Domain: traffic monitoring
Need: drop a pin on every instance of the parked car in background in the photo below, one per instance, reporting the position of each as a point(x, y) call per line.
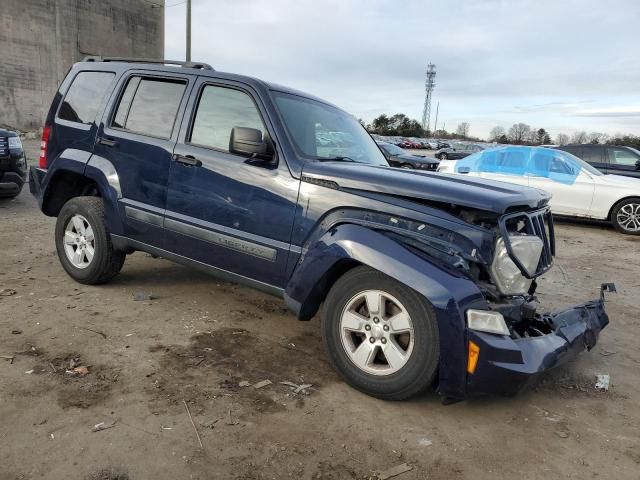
point(422, 278)
point(457, 151)
point(611, 159)
point(397, 157)
point(13, 164)
point(577, 188)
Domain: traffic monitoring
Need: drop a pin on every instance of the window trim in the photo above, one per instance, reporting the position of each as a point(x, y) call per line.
point(123, 87)
point(81, 125)
point(194, 111)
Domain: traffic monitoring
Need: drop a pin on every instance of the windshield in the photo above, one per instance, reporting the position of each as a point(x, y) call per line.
point(393, 149)
point(323, 132)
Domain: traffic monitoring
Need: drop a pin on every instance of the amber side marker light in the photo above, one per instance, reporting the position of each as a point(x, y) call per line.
point(472, 359)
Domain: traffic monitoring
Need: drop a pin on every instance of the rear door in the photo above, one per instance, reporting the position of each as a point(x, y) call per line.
point(623, 161)
point(506, 165)
point(138, 136)
point(595, 155)
point(226, 210)
point(572, 189)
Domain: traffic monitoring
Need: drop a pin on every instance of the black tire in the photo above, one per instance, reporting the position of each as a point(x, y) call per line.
point(107, 262)
point(10, 196)
point(418, 373)
point(443, 156)
point(615, 221)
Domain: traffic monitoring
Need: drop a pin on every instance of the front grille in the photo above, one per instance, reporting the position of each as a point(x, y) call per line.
point(538, 223)
point(4, 146)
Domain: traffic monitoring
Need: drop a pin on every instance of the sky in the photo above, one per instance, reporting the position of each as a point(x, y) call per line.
point(563, 65)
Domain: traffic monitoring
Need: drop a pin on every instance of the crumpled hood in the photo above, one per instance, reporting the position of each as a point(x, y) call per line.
point(470, 192)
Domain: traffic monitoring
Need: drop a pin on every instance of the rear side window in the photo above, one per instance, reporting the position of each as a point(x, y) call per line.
point(84, 96)
point(149, 106)
point(219, 110)
point(592, 154)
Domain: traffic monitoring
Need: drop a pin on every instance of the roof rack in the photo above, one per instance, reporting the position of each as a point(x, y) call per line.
point(200, 65)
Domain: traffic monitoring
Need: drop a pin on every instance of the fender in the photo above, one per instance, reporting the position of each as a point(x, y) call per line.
point(100, 170)
point(449, 292)
point(70, 160)
point(105, 175)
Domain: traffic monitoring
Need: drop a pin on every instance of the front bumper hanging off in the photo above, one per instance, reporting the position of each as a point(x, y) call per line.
point(507, 365)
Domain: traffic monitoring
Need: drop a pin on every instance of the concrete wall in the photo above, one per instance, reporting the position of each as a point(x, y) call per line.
point(41, 39)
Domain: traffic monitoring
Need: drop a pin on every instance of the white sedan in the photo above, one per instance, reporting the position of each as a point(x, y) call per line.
point(577, 189)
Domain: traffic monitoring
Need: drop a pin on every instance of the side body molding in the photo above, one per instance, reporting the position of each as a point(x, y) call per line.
point(450, 293)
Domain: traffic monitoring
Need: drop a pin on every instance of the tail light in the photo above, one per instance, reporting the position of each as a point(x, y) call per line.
point(44, 142)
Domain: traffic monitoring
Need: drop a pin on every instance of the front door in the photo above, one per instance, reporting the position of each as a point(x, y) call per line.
point(138, 136)
point(623, 162)
point(225, 210)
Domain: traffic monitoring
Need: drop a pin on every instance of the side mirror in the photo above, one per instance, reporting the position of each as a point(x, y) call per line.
point(250, 142)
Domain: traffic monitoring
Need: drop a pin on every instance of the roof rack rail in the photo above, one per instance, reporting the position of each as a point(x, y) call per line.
point(98, 58)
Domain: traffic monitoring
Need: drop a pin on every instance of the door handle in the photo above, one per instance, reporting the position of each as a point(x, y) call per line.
point(187, 160)
point(107, 142)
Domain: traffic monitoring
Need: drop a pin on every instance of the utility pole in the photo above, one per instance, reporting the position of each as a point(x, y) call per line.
point(435, 125)
point(188, 30)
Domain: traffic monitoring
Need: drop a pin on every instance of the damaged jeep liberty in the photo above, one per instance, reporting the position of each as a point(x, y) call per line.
point(424, 279)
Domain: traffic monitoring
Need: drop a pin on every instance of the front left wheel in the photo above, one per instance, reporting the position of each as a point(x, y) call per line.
point(381, 336)
point(83, 243)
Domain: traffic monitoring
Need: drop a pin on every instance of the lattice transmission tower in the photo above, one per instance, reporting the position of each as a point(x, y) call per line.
point(429, 85)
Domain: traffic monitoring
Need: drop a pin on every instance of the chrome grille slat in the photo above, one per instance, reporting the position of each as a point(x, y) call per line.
point(4, 146)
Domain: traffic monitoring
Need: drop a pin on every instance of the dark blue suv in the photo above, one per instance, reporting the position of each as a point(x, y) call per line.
point(425, 279)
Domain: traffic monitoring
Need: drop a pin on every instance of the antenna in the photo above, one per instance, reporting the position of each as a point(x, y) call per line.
point(429, 85)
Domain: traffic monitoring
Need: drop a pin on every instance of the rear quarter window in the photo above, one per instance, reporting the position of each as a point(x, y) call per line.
point(84, 97)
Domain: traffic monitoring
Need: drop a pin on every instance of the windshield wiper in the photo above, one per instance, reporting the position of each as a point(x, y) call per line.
point(338, 159)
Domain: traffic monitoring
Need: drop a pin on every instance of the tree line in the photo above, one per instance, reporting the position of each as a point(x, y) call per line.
point(399, 125)
point(518, 134)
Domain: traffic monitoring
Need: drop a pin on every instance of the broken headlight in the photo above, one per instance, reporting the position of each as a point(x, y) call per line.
point(508, 277)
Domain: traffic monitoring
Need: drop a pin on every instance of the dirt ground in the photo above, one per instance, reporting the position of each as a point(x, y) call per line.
point(197, 338)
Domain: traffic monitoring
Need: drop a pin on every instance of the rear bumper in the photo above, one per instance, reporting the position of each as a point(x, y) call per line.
point(36, 176)
point(506, 365)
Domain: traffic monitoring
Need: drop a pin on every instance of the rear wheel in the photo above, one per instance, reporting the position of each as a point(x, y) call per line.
point(442, 156)
point(83, 243)
point(381, 336)
point(625, 216)
point(407, 166)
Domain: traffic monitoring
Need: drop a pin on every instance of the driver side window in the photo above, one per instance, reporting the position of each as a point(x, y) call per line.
point(621, 156)
point(219, 110)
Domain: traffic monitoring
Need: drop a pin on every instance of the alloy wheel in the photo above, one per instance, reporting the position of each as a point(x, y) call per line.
point(376, 332)
point(79, 242)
